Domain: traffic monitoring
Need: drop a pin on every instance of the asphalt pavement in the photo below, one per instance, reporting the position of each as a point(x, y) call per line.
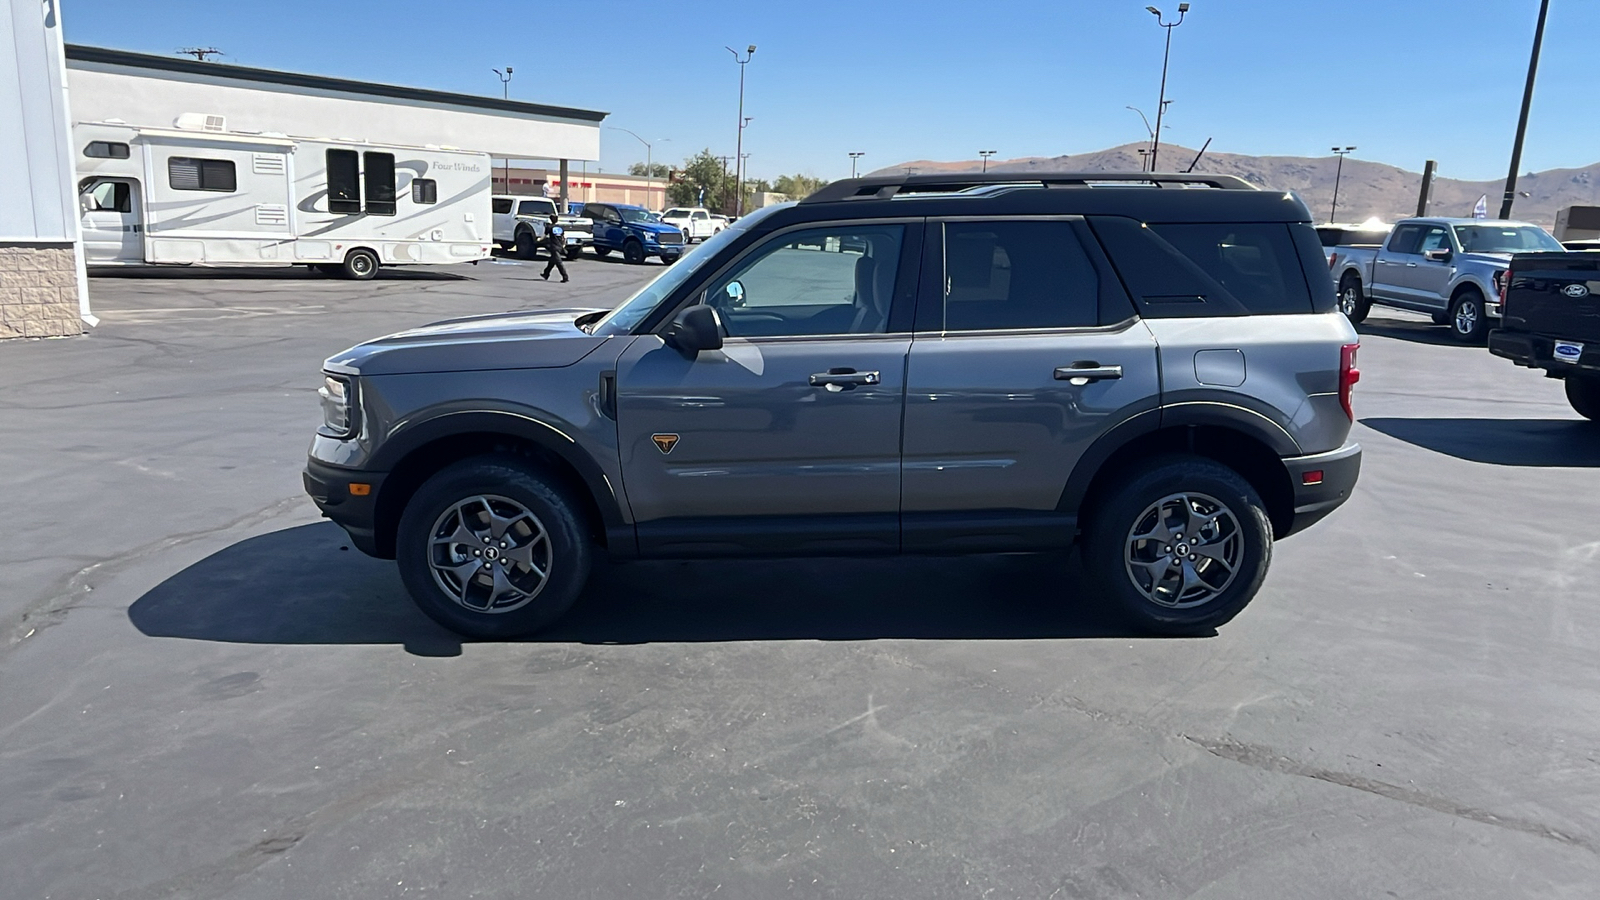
point(205, 692)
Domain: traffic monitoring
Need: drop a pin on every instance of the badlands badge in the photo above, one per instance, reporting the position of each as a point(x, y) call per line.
point(665, 442)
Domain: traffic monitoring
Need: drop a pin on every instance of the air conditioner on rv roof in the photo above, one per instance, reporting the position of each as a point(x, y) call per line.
point(200, 122)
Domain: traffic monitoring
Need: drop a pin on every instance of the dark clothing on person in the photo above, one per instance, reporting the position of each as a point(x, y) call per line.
point(555, 245)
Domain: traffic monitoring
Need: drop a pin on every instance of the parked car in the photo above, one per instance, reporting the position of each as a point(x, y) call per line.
point(1448, 268)
point(1334, 237)
point(1160, 375)
point(695, 222)
point(628, 230)
point(520, 222)
point(1581, 245)
point(1551, 321)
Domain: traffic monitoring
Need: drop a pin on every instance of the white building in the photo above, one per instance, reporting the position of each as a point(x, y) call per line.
point(42, 284)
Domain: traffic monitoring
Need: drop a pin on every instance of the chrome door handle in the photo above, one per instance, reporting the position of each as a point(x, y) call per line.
point(1411, 265)
point(1085, 372)
point(840, 379)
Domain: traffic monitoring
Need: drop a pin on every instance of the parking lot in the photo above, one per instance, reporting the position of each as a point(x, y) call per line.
point(207, 692)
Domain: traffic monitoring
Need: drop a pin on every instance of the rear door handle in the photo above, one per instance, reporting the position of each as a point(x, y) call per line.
point(844, 379)
point(1084, 372)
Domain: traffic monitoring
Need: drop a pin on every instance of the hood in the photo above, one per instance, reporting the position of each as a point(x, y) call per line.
point(542, 339)
point(1497, 259)
point(654, 227)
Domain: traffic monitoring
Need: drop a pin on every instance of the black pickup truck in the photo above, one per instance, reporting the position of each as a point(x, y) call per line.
point(1551, 321)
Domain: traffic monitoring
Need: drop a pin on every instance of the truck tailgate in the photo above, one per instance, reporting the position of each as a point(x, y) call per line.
point(1555, 294)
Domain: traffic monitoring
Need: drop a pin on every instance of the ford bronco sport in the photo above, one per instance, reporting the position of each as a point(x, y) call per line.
point(1152, 367)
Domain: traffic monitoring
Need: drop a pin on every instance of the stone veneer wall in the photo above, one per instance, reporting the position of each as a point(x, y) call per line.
point(38, 290)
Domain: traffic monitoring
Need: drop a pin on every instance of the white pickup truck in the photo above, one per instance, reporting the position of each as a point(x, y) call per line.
point(696, 223)
point(519, 224)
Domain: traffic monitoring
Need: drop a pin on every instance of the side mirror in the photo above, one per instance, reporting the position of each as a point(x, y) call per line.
point(695, 329)
point(1438, 255)
point(735, 292)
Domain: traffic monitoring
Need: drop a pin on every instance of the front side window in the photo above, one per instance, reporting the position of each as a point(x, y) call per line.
point(344, 182)
point(634, 215)
point(1009, 275)
point(535, 208)
point(1257, 264)
point(186, 173)
point(111, 196)
point(379, 182)
point(1435, 238)
point(106, 150)
point(424, 190)
point(700, 214)
point(834, 280)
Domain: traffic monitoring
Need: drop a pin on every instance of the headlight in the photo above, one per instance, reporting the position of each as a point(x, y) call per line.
point(338, 408)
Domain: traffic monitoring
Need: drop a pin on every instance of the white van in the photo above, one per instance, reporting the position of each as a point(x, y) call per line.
point(198, 195)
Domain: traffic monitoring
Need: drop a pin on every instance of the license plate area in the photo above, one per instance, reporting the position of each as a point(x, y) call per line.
point(1567, 352)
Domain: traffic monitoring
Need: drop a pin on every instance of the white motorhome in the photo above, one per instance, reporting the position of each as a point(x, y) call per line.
point(199, 195)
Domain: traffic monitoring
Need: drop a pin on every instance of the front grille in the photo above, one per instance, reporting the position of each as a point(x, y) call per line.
point(670, 237)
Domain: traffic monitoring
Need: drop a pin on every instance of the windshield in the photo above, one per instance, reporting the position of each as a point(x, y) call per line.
point(633, 310)
point(1505, 239)
point(633, 215)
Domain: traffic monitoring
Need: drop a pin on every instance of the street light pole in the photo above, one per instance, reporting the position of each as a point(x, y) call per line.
point(855, 155)
point(1149, 132)
point(1522, 120)
point(738, 150)
point(1183, 9)
point(986, 154)
point(1337, 174)
point(505, 94)
point(649, 158)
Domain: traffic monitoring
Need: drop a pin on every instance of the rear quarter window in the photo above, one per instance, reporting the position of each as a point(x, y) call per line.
point(1214, 269)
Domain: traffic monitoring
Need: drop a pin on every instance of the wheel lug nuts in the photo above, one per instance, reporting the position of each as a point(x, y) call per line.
point(1166, 549)
point(1193, 557)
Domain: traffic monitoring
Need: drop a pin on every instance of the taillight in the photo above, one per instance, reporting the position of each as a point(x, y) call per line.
point(1348, 376)
point(1333, 259)
point(1501, 280)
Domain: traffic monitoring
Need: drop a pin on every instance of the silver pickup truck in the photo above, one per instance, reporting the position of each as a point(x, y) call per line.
point(1449, 268)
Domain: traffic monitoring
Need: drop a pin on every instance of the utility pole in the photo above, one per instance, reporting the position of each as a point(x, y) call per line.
point(739, 144)
point(986, 154)
point(855, 155)
point(1522, 120)
point(1426, 194)
point(1337, 174)
point(505, 93)
point(1183, 9)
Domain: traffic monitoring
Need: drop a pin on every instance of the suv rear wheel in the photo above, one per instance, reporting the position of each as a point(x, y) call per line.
point(1181, 546)
point(489, 548)
point(1467, 322)
point(1583, 392)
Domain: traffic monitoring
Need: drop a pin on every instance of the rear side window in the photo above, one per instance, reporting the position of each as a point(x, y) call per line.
point(502, 205)
point(1256, 263)
point(344, 182)
point(424, 190)
point(379, 179)
point(1405, 239)
point(190, 174)
point(1013, 275)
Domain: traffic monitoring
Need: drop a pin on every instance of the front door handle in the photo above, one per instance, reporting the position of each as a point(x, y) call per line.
point(1083, 372)
point(844, 379)
point(1411, 265)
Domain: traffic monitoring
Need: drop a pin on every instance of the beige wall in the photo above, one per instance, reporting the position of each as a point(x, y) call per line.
point(38, 290)
point(587, 188)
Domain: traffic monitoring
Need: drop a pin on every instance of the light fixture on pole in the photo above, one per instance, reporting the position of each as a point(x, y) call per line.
point(986, 154)
point(855, 155)
point(1183, 10)
point(739, 144)
point(1337, 174)
point(649, 161)
point(1150, 132)
point(505, 94)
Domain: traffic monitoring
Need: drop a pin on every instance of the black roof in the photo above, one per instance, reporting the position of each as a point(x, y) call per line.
point(1144, 196)
point(81, 53)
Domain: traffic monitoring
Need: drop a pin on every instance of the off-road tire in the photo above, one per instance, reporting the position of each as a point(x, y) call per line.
point(360, 265)
point(633, 253)
point(1583, 392)
point(508, 477)
point(1118, 512)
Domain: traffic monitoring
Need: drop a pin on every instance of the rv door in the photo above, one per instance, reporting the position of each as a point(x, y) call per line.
point(113, 230)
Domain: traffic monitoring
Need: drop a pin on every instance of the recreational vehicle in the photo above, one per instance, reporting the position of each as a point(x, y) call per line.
point(198, 195)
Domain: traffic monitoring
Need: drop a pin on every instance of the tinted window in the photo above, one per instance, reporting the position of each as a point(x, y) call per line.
point(502, 205)
point(835, 280)
point(1257, 264)
point(1405, 239)
point(344, 182)
point(191, 174)
point(535, 208)
point(379, 181)
point(106, 150)
point(1505, 239)
point(1435, 238)
point(1017, 275)
point(1345, 237)
point(424, 190)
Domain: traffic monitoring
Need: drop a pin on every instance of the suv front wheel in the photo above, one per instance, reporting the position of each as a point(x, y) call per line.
point(1180, 547)
point(489, 548)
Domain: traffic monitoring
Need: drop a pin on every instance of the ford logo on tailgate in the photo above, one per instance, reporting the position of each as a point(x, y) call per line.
point(1576, 290)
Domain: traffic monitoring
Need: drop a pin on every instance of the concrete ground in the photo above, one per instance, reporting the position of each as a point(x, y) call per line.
point(204, 693)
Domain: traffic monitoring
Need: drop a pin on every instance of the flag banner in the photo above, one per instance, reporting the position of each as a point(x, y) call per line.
point(1481, 209)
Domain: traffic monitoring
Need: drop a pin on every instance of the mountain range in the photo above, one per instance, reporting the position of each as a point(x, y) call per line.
point(1366, 189)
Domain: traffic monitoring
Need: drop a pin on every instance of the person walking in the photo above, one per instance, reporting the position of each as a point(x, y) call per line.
point(555, 244)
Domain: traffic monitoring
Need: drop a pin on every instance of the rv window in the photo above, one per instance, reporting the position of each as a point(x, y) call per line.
point(424, 190)
point(106, 150)
point(379, 183)
point(502, 205)
point(344, 183)
point(188, 174)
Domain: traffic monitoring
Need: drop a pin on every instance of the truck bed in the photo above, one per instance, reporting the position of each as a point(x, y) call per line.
point(1540, 296)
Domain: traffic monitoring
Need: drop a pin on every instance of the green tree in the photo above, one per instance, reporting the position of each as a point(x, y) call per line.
point(656, 170)
point(702, 176)
point(798, 186)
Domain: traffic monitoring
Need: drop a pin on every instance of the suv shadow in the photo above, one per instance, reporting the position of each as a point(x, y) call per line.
point(247, 593)
point(1501, 442)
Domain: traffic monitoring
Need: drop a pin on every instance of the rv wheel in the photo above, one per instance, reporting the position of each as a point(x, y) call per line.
point(360, 265)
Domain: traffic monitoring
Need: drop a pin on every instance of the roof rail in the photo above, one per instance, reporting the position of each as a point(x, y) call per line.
point(882, 187)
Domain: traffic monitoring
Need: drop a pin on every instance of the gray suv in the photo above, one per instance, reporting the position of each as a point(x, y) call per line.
point(1150, 366)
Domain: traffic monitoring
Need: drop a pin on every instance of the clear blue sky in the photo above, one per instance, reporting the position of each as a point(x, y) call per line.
point(1402, 80)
